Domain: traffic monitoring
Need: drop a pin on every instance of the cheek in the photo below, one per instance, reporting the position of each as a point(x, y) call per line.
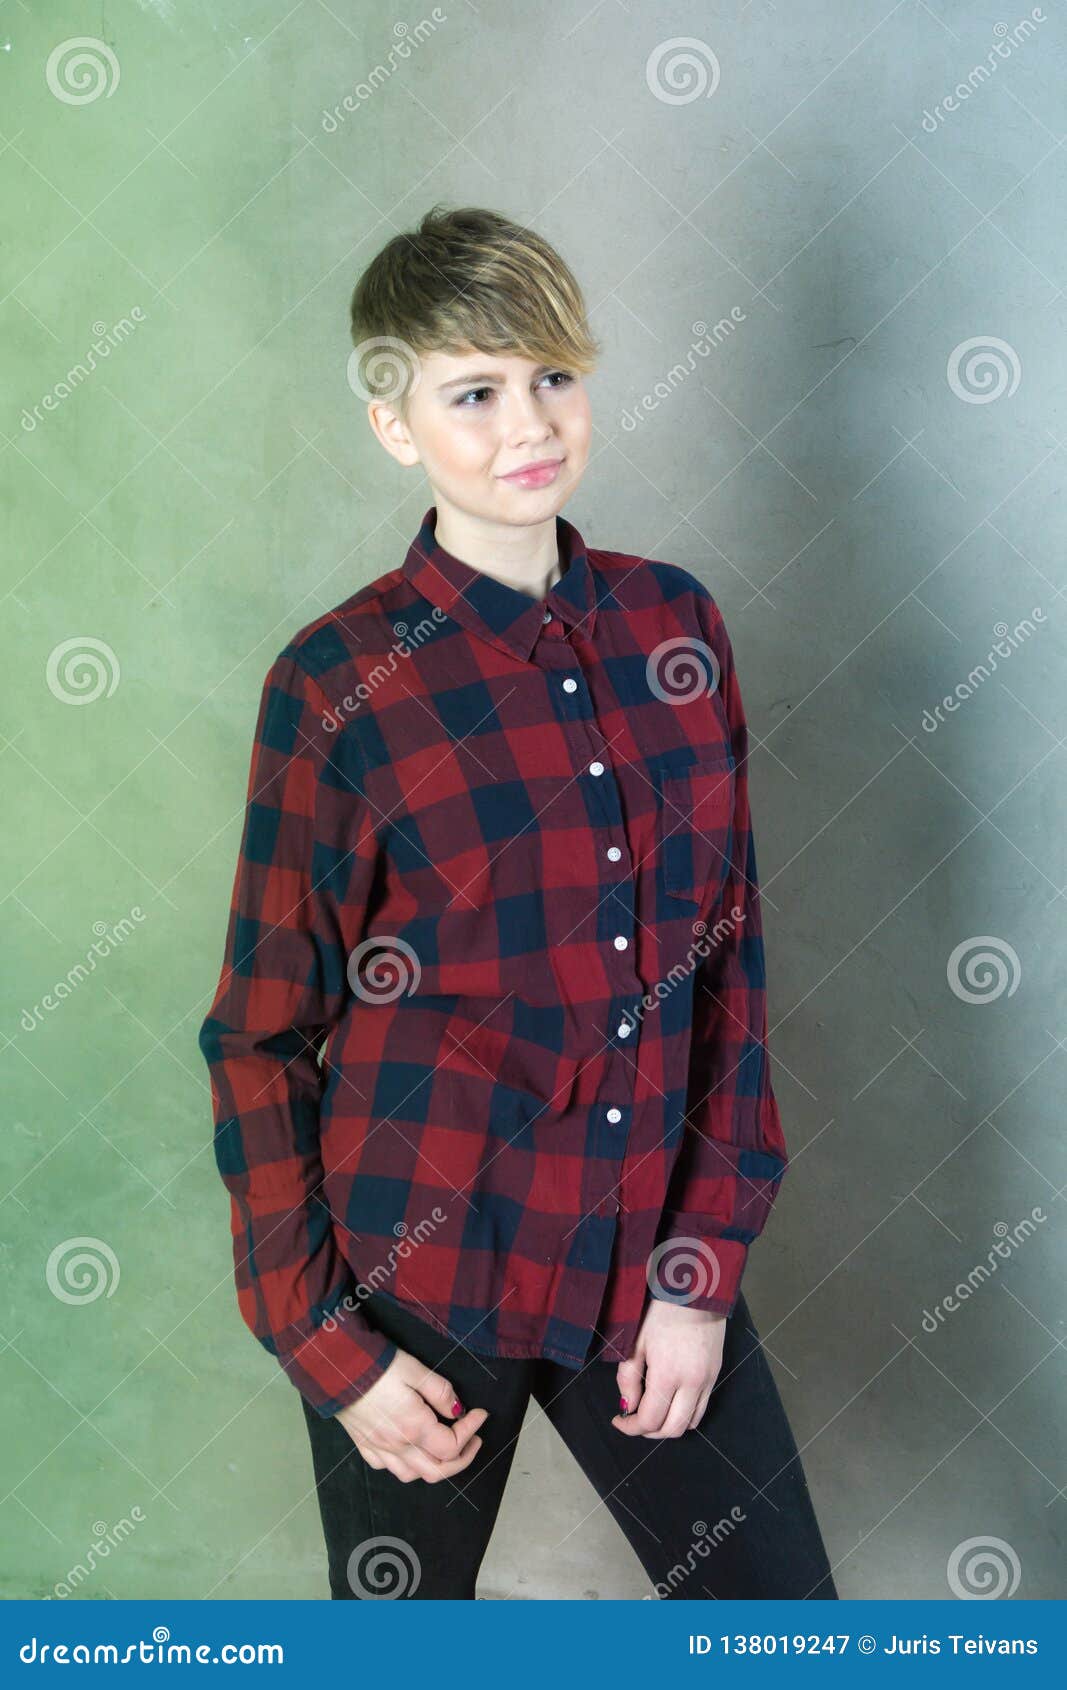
point(577, 430)
point(459, 446)
point(578, 418)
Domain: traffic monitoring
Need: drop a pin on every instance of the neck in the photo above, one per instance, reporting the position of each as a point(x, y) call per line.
point(525, 557)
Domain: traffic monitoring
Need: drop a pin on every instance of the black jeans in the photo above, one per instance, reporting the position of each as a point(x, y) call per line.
point(722, 1511)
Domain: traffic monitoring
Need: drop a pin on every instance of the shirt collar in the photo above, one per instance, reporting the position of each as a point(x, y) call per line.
point(490, 608)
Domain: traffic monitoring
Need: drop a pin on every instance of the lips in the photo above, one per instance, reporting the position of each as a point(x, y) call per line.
point(535, 474)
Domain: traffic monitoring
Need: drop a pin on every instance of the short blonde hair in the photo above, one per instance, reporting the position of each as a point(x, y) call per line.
point(468, 278)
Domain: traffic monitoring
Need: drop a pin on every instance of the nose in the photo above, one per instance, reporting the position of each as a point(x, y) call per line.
point(524, 417)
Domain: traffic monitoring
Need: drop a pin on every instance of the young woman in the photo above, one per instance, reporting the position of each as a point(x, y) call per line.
point(497, 861)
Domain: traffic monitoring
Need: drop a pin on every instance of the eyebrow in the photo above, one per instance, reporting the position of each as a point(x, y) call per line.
point(479, 379)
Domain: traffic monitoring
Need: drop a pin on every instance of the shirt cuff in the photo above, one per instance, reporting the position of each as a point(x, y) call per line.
point(341, 1360)
point(697, 1263)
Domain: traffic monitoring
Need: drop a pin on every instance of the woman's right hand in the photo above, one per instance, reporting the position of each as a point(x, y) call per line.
point(395, 1423)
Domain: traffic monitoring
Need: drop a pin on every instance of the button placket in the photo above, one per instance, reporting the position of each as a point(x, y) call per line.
point(609, 1120)
point(613, 1134)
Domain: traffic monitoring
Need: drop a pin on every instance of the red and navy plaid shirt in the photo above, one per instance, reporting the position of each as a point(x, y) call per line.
point(497, 855)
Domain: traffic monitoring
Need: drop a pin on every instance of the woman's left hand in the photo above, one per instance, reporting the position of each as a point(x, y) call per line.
point(667, 1381)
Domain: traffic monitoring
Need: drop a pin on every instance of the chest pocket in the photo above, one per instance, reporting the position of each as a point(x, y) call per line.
point(696, 826)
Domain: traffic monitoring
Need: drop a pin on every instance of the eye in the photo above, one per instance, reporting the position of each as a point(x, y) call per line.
point(475, 398)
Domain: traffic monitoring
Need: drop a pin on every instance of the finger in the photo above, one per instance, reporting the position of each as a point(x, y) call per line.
point(699, 1411)
point(630, 1378)
point(399, 1467)
point(445, 1443)
point(434, 1471)
point(679, 1414)
point(439, 1392)
point(651, 1411)
point(408, 1458)
point(392, 1435)
point(414, 1423)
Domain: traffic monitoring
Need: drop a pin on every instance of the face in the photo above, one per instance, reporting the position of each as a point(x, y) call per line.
point(477, 418)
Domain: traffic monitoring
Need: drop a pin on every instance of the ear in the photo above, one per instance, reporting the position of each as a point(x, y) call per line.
point(392, 432)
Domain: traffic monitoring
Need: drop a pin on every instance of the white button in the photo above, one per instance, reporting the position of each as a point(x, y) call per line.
point(614, 853)
point(624, 1030)
point(614, 1115)
point(621, 942)
point(569, 685)
point(596, 768)
point(547, 617)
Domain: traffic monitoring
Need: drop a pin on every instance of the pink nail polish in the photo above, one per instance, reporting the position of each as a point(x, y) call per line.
point(457, 1409)
point(624, 1407)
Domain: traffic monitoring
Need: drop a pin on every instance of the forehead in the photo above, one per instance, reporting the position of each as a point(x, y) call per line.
point(471, 364)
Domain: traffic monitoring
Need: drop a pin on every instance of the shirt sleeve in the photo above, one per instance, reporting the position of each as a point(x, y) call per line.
point(297, 906)
point(733, 1154)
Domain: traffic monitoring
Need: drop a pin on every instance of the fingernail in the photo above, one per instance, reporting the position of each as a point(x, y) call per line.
point(624, 1407)
point(457, 1408)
